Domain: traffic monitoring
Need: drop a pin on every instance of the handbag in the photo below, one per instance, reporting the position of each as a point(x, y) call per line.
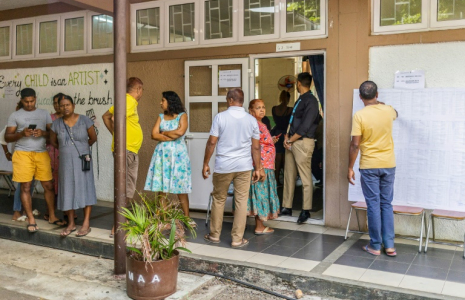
point(85, 158)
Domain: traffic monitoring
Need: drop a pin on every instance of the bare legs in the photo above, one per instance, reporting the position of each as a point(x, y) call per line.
point(260, 227)
point(49, 193)
point(85, 229)
point(184, 199)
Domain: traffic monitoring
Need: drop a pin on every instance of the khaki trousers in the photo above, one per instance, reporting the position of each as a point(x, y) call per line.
point(220, 193)
point(299, 158)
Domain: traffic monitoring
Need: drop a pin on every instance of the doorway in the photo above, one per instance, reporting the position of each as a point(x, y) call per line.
point(273, 76)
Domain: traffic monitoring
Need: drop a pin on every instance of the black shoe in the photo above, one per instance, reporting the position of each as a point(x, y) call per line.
point(285, 212)
point(303, 217)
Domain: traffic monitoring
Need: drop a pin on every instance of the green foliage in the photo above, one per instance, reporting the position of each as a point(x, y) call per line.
point(309, 9)
point(406, 19)
point(155, 228)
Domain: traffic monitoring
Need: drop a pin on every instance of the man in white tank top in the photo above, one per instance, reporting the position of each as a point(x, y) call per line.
point(234, 133)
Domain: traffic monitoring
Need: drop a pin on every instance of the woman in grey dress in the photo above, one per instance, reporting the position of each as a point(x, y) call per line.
point(73, 134)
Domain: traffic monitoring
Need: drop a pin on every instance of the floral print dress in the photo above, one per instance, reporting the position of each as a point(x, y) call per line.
point(170, 167)
point(263, 196)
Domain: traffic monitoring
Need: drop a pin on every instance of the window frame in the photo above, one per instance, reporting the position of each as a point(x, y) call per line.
point(167, 44)
point(37, 35)
point(146, 5)
point(73, 15)
point(235, 19)
point(90, 50)
point(6, 24)
point(378, 29)
point(323, 22)
point(436, 24)
point(13, 42)
point(267, 37)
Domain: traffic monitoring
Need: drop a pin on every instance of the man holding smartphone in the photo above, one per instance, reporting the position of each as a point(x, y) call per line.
point(29, 127)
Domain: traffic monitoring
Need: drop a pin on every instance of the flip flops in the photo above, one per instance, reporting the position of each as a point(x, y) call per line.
point(84, 233)
point(391, 253)
point(33, 226)
point(63, 223)
point(208, 238)
point(66, 232)
point(366, 248)
point(243, 243)
point(265, 231)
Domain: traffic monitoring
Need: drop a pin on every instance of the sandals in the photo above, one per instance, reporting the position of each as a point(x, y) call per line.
point(63, 223)
point(33, 226)
point(366, 248)
point(391, 253)
point(78, 234)
point(265, 231)
point(46, 217)
point(243, 243)
point(67, 232)
point(208, 238)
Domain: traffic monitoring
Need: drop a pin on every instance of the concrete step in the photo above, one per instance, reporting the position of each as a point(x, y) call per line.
point(208, 293)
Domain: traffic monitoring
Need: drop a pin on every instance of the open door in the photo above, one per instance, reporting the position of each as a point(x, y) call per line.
point(205, 97)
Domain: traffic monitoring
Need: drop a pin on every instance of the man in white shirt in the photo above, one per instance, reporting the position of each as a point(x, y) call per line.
point(234, 133)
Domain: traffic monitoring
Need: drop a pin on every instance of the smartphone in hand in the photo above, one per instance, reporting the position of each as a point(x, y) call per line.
point(32, 126)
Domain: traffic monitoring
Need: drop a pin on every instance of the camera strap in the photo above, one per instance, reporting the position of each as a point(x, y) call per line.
point(72, 140)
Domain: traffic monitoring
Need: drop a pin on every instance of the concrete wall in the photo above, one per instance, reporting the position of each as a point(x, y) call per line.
point(347, 52)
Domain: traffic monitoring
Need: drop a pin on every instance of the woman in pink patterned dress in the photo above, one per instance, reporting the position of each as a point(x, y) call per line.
point(263, 203)
point(52, 151)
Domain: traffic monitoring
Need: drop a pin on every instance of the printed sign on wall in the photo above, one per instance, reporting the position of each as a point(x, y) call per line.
point(92, 89)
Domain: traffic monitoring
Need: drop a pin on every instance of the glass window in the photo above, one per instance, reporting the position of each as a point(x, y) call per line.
point(259, 17)
point(218, 19)
point(400, 12)
point(200, 81)
point(182, 23)
point(148, 26)
point(24, 36)
point(48, 37)
point(102, 32)
point(449, 10)
point(200, 116)
point(302, 15)
point(5, 41)
point(74, 34)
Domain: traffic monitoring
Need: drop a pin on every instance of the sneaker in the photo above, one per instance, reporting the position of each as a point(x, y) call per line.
point(298, 182)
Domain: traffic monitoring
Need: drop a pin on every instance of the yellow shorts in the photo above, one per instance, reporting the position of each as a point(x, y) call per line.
point(28, 165)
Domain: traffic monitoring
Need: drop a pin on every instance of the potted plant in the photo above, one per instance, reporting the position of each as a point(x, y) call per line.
point(156, 229)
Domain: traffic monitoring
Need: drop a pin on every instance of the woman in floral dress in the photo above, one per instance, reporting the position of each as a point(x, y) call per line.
point(263, 203)
point(170, 167)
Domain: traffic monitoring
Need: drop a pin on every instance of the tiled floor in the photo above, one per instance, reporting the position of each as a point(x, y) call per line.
point(304, 247)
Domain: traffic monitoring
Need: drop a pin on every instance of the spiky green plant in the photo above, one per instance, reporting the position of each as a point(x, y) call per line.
point(157, 227)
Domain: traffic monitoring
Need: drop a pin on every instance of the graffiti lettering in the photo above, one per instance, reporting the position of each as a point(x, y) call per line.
point(58, 82)
point(36, 80)
point(100, 101)
point(83, 78)
point(78, 100)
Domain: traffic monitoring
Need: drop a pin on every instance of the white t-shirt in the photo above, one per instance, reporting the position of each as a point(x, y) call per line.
point(235, 129)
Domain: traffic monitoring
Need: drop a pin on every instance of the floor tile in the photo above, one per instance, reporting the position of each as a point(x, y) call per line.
point(298, 264)
point(457, 276)
point(428, 272)
point(406, 242)
point(281, 250)
point(327, 238)
point(441, 253)
point(287, 225)
point(422, 284)
point(320, 246)
point(381, 277)
point(288, 241)
point(267, 239)
point(390, 266)
point(434, 261)
point(308, 236)
point(454, 289)
point(406, 248)
point(311, 228)
point(354, 261)
point(267, 259)
point(305, 253)
point(193, 246)
point(239, 255)
point(344, 272)
point(337, 231)
point(401, 257)
point(211, 251)
point(458, 263)
point(440, 246)
point(256, 247)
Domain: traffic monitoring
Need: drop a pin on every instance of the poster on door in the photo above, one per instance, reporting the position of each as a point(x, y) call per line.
point(92, 89)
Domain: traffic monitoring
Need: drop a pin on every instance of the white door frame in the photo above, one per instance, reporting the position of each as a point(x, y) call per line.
point(253, 57)
point(214, 98)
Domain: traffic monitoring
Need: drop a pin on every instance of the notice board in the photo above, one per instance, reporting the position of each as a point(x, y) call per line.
point(429, 143)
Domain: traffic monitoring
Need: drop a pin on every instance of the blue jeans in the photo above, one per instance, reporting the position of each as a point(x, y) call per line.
point(378, 189)
point(17, 198)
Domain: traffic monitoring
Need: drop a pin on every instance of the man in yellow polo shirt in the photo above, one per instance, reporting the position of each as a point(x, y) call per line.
point(134, 135)
point(372, 135)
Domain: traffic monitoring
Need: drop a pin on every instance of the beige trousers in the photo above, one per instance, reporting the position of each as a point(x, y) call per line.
point(220, 193)
point(299, 158)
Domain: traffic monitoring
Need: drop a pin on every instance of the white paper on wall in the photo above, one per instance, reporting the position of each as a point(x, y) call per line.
point(429, 143)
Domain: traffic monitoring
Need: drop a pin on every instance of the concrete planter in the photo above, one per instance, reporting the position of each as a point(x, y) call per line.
point(155, 280)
